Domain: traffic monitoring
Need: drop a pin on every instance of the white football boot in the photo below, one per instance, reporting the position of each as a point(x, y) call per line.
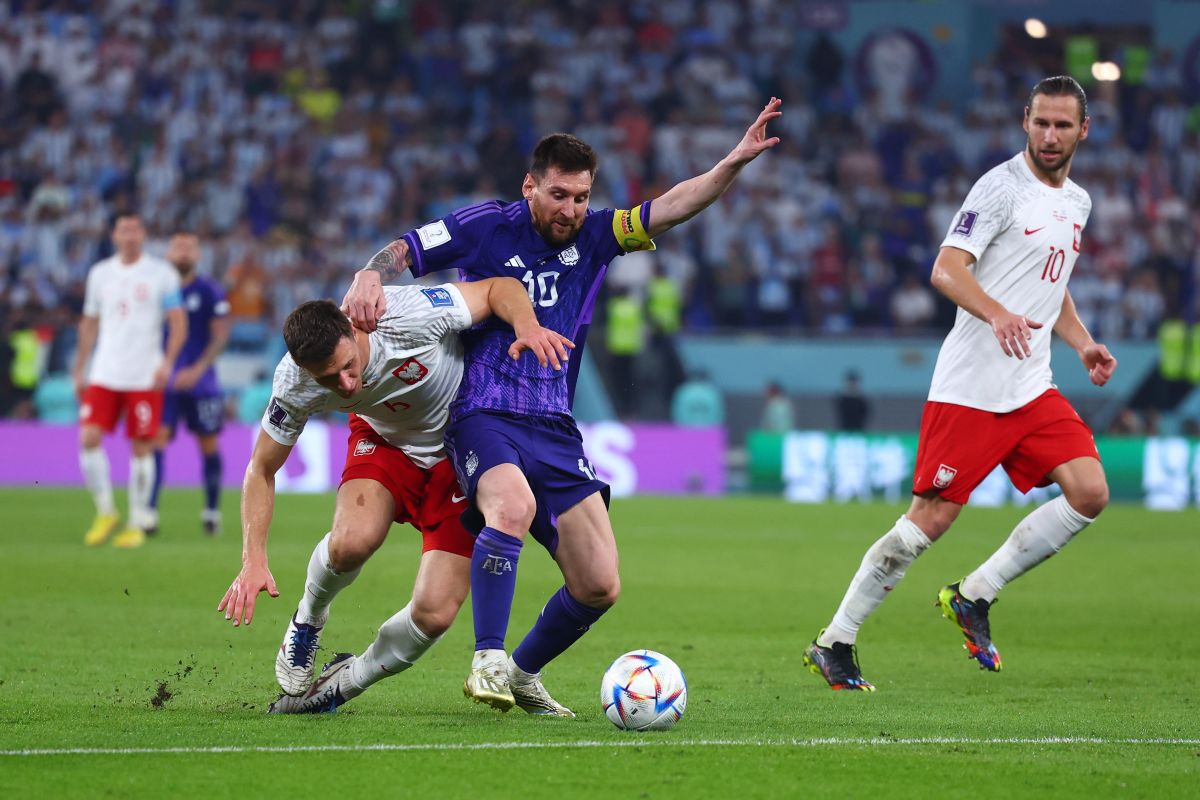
point(488, 681)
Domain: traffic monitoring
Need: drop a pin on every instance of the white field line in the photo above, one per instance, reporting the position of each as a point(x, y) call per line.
point(633, 741)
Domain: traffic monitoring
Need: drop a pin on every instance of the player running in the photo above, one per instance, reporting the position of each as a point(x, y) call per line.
point(193, 392)
point(516, 448)
point(397, 384)
point(129, 297)
point(1005, 261)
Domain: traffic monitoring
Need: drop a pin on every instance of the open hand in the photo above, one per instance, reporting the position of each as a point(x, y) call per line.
point(549, 346)
point(1014, 331)
point(238, 602)
point(755, 141)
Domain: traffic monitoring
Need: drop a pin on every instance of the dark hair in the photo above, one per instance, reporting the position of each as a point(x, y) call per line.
point(1058, 86)
point(564, 152)
point(312, 331)
point(125, 214)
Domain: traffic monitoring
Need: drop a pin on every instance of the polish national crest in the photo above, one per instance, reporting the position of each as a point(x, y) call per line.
point(944, 476)
point(364, 447)
point(411, 371)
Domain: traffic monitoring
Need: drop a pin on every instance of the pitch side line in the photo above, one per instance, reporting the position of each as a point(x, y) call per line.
point(632, 742)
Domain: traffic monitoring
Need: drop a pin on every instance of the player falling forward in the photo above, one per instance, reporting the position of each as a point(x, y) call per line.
point(398, 383)
point(992, 401)
point(516, 448)
point(193, 392)
point(128, 298)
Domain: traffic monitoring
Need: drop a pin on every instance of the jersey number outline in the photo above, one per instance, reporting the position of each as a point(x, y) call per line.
point(1054, 264)
point(544, 291)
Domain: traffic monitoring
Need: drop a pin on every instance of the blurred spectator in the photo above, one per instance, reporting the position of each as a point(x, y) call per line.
point(698, 402)
point(778, 414)
point(852, 407)
point(625, 335)
point(913, 305)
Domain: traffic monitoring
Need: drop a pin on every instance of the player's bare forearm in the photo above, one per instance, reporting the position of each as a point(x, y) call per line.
point(176, 334)
point(88, 329)
point(952, 277)
point(508, 299)
point(687, 199)
point(390, 262)
point(1070, 327)
point(258, 496)
point(218, 331)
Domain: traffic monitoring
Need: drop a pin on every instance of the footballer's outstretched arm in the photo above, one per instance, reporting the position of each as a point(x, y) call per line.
point(258, 506)
point(508, 299)
point(1096, 359)
point(687, 199)
point(952, 277)
point(364, 302)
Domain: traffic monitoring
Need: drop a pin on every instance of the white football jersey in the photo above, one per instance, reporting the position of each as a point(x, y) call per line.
point(412, 374)
point(131, 302)
point(1025, 237)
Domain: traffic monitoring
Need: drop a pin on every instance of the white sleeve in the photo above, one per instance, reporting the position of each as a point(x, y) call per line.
point(985, 213)
point(420, 315)
point(91, 294)
point(287, 412)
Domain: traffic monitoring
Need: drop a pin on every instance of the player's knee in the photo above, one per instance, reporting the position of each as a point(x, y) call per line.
point(1089, 498)
point(348, 552)
point(90, 437)
point(434, 619)
point(599, 593)
point(512, 514)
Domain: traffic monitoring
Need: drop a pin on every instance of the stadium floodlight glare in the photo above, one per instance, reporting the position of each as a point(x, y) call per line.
point(1035, 28)
point(1106, 71)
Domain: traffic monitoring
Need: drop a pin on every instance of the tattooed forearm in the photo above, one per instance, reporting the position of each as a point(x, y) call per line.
point(390, 261)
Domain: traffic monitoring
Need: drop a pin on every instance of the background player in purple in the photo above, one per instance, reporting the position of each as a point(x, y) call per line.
point(193, 392)
point(514, 443)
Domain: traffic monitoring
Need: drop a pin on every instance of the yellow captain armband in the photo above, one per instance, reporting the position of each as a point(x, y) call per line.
point(631, 234)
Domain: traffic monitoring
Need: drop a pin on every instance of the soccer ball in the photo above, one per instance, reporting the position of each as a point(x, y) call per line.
point(643, 691)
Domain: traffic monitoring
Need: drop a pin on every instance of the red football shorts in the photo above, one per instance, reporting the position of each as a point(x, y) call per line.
point(103, 407)
point(960, 446)
point(428, 499)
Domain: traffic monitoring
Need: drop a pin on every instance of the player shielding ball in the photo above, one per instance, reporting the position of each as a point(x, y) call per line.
point(193, 394)
point(1005, 262)
point(397, 383)
point(516, 448)
point(129, 297)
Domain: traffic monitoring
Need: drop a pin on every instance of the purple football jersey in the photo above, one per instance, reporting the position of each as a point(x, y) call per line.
point(204, 300)
point(494, 239)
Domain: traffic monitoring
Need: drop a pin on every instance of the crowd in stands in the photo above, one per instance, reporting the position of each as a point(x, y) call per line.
point(296, 139)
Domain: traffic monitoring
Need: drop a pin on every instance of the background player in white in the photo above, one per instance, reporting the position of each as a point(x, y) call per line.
point(398, 381)
point(1005, 262)
point(128, 297)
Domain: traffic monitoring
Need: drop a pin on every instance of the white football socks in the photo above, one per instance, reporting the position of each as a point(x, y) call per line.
point(1037, 537)
point(882, 568)
point(94, 464)
point(399, 643)
point(322, 585)
point(141, 482)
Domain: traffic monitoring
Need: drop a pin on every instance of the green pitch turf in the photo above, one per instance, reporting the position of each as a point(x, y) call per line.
point(112, 650)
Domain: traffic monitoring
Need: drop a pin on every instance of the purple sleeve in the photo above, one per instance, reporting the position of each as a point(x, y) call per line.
point(453, 241)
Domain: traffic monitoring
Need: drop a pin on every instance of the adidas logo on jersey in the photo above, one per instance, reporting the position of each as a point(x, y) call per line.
point(515, 262)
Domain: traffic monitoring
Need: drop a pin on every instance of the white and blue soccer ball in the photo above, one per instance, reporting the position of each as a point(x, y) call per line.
point(643, 691)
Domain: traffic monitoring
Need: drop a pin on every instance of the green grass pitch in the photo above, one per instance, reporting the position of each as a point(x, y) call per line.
point(1098, 697)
